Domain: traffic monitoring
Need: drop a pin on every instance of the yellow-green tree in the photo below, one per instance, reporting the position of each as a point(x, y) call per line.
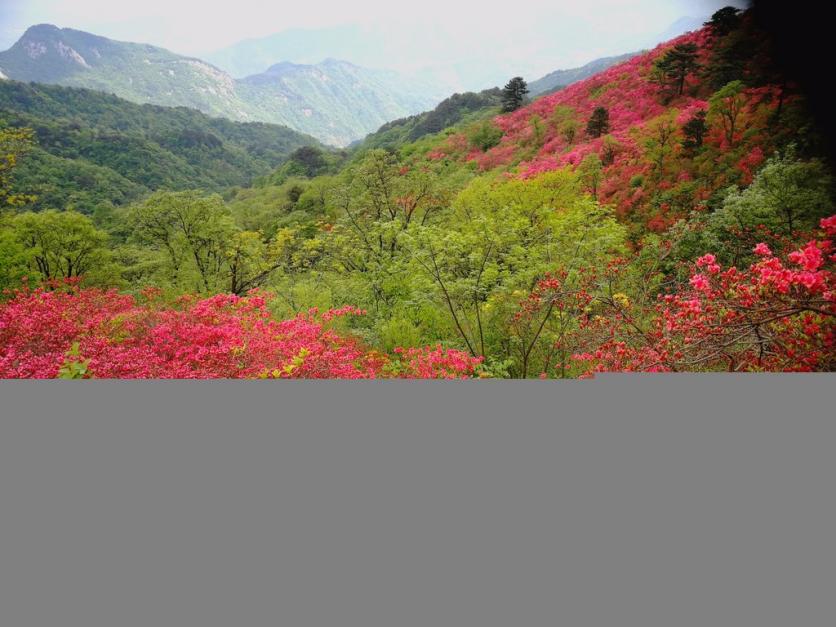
point(498, 240)
point(56, 245)
point(14, 143)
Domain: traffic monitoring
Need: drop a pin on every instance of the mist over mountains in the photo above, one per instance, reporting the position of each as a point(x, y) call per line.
point(447, 58)
point(324, 82)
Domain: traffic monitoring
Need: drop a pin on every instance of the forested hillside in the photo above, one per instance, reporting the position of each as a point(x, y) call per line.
point(95, 149)
point(336, 101)
point(450, 111)
point(671, 213)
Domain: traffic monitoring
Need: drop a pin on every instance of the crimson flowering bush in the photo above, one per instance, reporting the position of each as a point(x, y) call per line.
point(38, 327)
point(493, 158)
point(104, 334)
point(776, 315)
point(749, 163)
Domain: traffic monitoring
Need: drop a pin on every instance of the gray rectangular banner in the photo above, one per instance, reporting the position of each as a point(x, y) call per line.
point(628, 500)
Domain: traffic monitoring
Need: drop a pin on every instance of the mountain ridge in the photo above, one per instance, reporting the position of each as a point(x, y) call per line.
point(144, 73)
point(565, 77)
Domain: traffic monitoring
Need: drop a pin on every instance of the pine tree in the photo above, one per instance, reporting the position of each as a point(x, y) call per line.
point(513, 94)
point(724, 21)
point(599, 122)
point(694, 131)
point(678, 62)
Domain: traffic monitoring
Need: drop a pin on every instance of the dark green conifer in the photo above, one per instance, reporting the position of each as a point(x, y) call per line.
point(513, 94)
point(599, 122)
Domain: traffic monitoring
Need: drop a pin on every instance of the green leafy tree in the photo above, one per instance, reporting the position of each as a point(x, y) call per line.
point(295, 203)
point(485, 135)
point(56, 245)
point(610, 147)
point(376, 201)
point(500, 238)
point(565, 123)
point(14, 143)
point(568, 129)
point(787, 196)
point(310, 158)
point(726, 105)
point(591, 171)
point(190, 233)
point(13, 260)
point(538, 134)
point(660, 143)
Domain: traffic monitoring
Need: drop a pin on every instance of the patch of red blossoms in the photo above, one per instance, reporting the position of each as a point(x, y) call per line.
point(225, 336)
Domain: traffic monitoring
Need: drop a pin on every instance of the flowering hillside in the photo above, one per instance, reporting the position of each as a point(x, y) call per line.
point(641, 162)
point(672, 213)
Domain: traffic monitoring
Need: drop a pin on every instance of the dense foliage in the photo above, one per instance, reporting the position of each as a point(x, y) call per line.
point(774, 315)
point(93, 148)
point(454, 110)
point(653, 217)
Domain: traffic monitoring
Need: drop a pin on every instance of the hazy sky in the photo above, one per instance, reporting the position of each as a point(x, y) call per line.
point(578, 30)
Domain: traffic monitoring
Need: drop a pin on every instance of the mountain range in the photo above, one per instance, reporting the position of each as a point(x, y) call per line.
point(335, 101)
point(263, 80)
point(457, 60)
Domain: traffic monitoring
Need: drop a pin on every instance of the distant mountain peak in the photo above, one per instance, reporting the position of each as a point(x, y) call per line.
point(333, 100)
point(283, 67)
point(51, 32)
point(54, 48)
point(40, 29)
